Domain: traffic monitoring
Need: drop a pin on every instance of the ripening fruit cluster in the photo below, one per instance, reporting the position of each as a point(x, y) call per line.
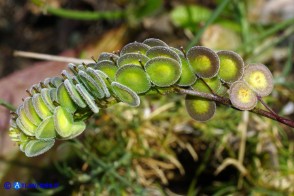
point(57, 107)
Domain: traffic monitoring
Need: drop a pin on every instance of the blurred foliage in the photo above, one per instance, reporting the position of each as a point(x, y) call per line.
point(157, 149)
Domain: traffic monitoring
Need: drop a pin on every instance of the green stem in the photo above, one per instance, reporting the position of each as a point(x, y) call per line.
point(7, 105)
point(212, 18)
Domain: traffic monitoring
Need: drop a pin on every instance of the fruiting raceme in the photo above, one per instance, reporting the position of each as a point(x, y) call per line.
point(57, 107)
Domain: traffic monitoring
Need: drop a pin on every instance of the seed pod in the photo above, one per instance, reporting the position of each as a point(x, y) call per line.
point(133, 77)
point(161, 51)
point(27, 124)
point(204, 61)
point(23, 129)
point(64, 123)
point(46, 129)
point(259, 78)
point(45, 94)
point(231, 66)
point(64, 99)
point(134, 47)
point(91, 84)
point(74, 95)
point(31, 112)
point(132, 58)
point(163, 71)
point(47, 82)
point(199, 109)
point(99, 78)
point(108, 67)
point(108, 56)
point(40, 107)
point(214, 84)
point(152, 42)
point(125, 94)
point(88, 98)
point(187, 78)
point(241, 96)
point(56, 81)
point(36, 147)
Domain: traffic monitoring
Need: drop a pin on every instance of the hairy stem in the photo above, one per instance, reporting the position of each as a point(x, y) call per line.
point(226, 101)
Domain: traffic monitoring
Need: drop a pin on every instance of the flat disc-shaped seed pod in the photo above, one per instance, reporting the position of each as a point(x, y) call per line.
point(241, 96)
point(108, 56)
point(214, 84)
point(23, 129)
point(231, 66)
point(53, 94)
point(36, 147)
point(108, 67)
point(133, 77)
point(73, 68)
point(88, 98)
point(188, 77)
point(56, 81)
point(163, 71)
point(28, 125)
point(99, 78)
point(74, 95)
point(125, 94)
point(154, 42)
point(161, 51)
point(64, 123)
point(41, 107)
point(47, 82)
point(204, 61)
point(91, 85)
point(199, 109)
point(31, 112)
point(45, 94)
point(46, 129)
point(132, 58)
point(64, 99)
point(34, 89)
point(259, 78)
point(23, 145)
point(135, 47)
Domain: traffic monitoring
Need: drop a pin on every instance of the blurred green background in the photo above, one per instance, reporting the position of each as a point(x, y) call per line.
point(155, 149)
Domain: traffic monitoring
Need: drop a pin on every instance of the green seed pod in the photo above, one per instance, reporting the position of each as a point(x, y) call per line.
point(204, 61)
point(88, 98)
point(23, 129)
point(53, 95)
point(163, 71)
point(134, 47)
point(99, 78)
point(56, 81)
point(46, 129)
point(45, 94)
point(161, 51)
point(214, 84)
point(47, 82)
point(36, 147)
point(75, 96)
point(199, 109)
point(64, 123)
point(108, 56)
point(40, 107)
point(133, 77)
point(188, 77)
point(81, 67)
point(64, 99)
point(241, 96)
point(231, 66)
point(31, 112)
point(125, 94)
point(27, 124)
point(132, 58)
point(73, 68)
point(259, 78)
point(91, 85)
point(152, 42)
point(108, 67)
point(34, 89)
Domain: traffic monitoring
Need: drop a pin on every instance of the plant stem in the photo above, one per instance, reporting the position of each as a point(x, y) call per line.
point(226, 101)
point(7, 105)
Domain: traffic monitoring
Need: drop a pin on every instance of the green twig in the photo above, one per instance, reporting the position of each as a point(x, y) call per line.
point(7, 105)
point(211, 19)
